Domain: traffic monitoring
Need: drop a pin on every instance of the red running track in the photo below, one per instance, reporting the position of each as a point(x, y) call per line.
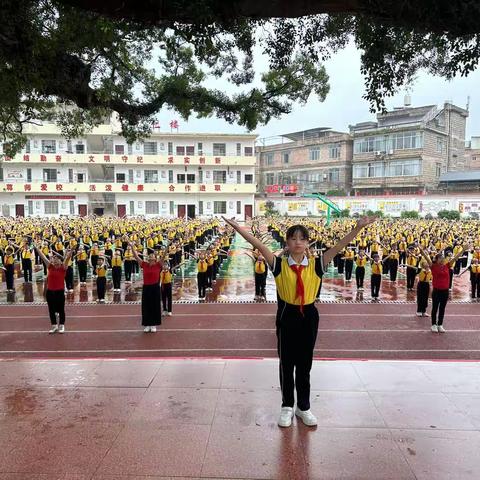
point(347, 331)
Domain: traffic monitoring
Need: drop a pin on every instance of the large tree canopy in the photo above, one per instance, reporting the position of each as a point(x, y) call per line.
point(136, 58)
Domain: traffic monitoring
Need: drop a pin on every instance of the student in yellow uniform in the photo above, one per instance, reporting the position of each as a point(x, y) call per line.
point(423, 289)
point(348, 257)
point(360, 262)
point(117, 263)
point(376, 276)
point(298, 279)
point(260, 278)
point(166, 288)
point(474, 269)
point(9, 267)
point(81, 258)
point(27, 266)
point(202, 266)
point(101, 272)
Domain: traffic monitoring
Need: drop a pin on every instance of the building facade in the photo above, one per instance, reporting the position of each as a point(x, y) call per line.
point(472, 154)
point(311, 161)
point(168, 174)
point(406, 150)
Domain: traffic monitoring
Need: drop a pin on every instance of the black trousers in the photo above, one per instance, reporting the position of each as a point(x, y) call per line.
point(56, 304)
point(260, 283)
point(116, 277)
point(423, 291)
point(296, 337)
point(202, 283)
point(151, 305)
point(27, 269)
point(93, 261)
point(393, 269)
point(411, 274)
point(360, 276)
point(101, 287)
point(451, 278)
point(69, 278)
point(340, 265)
point(128, 270)
point(348, 269)
point(439, 302)
point(167, 297)
point(386, 266)
point(402, 258)
point(456, 268)
point(9, 275)
point(82, 270)
point(475, 283)
point(375, 282)
point(209, 276)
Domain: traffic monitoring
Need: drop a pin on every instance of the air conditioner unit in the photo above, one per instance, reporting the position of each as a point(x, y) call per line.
point(378, 153)
point(325, 176)
point(390, 152)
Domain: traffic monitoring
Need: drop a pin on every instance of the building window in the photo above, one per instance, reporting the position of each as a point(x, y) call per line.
point(51, 207)
point(239, 207)
point(1, 174)
point(190, 150)
point(150, 148)
point(30, 207)
point(29, 175)
point(49, 174)
point(219, 176)
point(406, 140)
point(268, 158)
point(334, 150)
point(170, 148)
point(334, 175)
point(172, 207)
point(132, 207)
point(190, 178)
point(151, 176)
point(285, 157)
point(72, 207)
point(151, 207)
point(270, 179)
point(438, 169)
point(239, 177)
point(27, 148)
point(200, 148)
point(119, 149)
point(200, 207)
point(180, 178)
point(170, 176)
point(441, 145)
point(79, 148)
point(249, 178)
point(220, 208)
point(404, 168)
point(314, 154)
point(248, 151)
point(49, 146)
point(200, 176)
point(219, 149)
point(239, 149)
point(180, 151)
point(80, 178)
point(120, 177)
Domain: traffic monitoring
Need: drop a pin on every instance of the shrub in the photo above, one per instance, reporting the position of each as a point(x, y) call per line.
point(409, 214)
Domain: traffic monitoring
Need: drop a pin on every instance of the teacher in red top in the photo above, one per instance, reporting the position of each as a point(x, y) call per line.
point(55, 294)
point(440, 269)
point(151, 297)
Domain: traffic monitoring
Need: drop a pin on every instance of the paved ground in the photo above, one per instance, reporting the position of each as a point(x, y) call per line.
point(156, 419)
point(347, 331)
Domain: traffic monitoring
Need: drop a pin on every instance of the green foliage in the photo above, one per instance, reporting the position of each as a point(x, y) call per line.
point(449, 214)
point(341, 214)
point(410, 214)
point(270, 210)
point(336, 193)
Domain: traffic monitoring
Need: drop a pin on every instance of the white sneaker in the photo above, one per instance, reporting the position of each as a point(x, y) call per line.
point(308, 418)
point(425, 314)
point(419, 314)
point(61, 329)
point(54, 329)
point(441, 329)
point(146, 329)
point(434, 328)
point(169, 314)
point(286, 416)
point(153, 329)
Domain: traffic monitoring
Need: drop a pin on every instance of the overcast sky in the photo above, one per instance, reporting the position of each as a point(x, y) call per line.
point(344, 104)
